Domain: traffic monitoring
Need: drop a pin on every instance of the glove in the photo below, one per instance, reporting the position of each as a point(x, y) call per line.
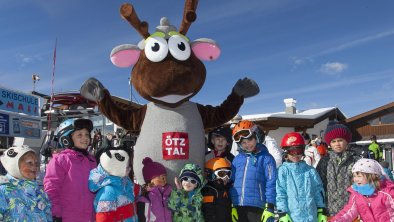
point(321, 215)
point(268, 213)
point(56, 219)
point(246, 87)
point(284, 217)
point(234, 214)
point(92, 89)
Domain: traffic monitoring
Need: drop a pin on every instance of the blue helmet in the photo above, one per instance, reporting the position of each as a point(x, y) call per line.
point(67, 127)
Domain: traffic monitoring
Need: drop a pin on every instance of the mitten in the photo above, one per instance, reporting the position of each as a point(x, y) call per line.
point(92, 89)
point(284, 217)
point(234, 214)
point(268, 213)
point(321, 215)
point(246, 87)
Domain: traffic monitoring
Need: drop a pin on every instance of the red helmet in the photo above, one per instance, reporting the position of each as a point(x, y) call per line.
point(243, 129)
point(292, 139)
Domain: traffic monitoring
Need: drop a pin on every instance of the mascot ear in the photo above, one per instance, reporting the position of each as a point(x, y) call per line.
point(205, 49)
point(125, 55)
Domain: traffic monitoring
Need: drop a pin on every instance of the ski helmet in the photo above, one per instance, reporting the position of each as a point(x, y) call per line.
point(243, 130)
point(67, 127)
point(218, 168)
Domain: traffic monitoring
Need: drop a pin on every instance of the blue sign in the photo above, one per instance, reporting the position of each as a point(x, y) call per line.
point(15, 101)
point(4, 124)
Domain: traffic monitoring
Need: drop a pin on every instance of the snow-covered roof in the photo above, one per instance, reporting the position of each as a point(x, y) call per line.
point(300, 114)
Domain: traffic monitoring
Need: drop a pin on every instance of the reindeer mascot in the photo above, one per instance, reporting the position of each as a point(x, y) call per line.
point(167, 72)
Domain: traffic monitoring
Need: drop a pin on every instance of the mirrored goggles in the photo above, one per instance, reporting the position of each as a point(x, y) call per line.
point(189, 179)
point(222, 174)
point(242, 134)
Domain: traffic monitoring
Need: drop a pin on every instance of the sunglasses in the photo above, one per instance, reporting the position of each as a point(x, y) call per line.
point(242, 134)
point(295, 152)
point(189, 179)
point(222, 174)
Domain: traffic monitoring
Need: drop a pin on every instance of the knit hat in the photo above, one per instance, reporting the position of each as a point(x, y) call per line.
point(10, 159)
point(152, 169)
point(337, 130)
point(368, 166)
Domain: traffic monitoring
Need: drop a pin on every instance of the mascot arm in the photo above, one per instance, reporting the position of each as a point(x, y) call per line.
point(216, 116)
point(129, 119)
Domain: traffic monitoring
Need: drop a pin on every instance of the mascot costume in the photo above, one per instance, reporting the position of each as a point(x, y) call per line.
point(167, 71)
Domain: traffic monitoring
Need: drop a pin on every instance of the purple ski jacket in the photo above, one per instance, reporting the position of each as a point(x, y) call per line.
point(154, 206)
point(379, 207)
point(66, 183)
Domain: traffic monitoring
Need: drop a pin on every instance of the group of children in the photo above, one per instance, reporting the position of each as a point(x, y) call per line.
point(247, 187)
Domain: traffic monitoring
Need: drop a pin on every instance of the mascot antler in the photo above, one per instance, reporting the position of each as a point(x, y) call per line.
point(128, 13)
point(189, 15)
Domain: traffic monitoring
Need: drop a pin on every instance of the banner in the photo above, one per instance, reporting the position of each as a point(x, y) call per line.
point(16, 125)
point(19, 102)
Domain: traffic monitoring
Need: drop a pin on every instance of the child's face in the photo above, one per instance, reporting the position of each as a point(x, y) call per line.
point(249, 144)
point(219, 142)
point(29, 166)
point(81, 138)
point(338, 145)
point(295, 158)
point(159, 180)
point(359, 178)
point(189, 184)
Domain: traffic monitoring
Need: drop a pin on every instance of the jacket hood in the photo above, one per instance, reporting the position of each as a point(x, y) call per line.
point(194, 171)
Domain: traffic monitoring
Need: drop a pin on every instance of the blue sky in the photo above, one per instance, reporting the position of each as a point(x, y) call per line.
point(322, 53)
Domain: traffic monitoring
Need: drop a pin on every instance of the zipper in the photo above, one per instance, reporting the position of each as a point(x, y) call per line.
point(243, 181)
point(261, 193)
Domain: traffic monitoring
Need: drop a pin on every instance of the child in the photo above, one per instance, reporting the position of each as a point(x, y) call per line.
point(220, 142)
point(371, 195)
point(21, 199)
point(115, 192)
point(335, 168)
point(67, 174)
point(298, 185)
point(152, 205)
point(216, 201)
point(387, 170)
point(254, 175)
point(185, 202)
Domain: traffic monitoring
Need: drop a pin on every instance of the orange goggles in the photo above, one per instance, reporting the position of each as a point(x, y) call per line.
point(242, 134)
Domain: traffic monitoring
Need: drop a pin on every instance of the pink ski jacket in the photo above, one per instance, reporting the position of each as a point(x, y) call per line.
point(66, 183)
point(378, 208)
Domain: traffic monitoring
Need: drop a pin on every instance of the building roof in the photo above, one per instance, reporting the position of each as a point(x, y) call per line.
point(372, 114)
point(302, 118)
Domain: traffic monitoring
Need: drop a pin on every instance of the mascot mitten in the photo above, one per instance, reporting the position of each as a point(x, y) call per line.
point(186, 200)
point(115, 192)
point(167, 71)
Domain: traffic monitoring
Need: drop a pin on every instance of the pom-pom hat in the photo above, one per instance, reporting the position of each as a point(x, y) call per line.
point(152, 169)
point(337, 130)
point(10, 159)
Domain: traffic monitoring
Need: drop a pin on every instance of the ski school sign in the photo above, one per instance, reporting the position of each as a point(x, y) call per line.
point(15, 101)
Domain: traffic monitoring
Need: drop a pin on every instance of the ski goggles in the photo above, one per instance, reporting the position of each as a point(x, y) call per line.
point(295, 152)
point(189, 179)
point(222, 174)
point(242, 134)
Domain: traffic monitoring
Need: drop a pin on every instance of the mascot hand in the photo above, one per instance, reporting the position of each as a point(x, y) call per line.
point(246, 87)
point(92, 89)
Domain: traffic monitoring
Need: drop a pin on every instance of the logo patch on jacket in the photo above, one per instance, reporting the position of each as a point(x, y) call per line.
point(175, 145)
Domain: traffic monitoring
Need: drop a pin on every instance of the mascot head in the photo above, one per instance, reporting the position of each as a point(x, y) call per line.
point(116, 161)
point(167, 65)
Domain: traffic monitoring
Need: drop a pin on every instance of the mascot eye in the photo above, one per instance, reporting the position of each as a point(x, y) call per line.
point(156, 48)
point(119, 157)
point(179, 47)
point(12, 153)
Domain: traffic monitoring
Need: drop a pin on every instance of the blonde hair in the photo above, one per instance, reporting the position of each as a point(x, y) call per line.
point(373, 179)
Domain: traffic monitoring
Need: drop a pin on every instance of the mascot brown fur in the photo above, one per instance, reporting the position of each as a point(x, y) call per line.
point(167, 72)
